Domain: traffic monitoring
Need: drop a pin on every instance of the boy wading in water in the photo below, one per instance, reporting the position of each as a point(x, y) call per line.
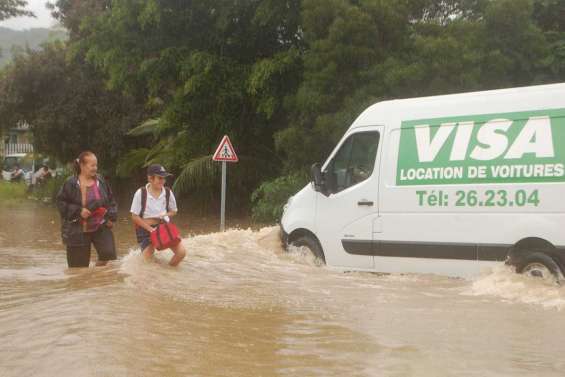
point(152, 205)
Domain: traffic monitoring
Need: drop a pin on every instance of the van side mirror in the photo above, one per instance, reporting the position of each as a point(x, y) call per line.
point(316, 177)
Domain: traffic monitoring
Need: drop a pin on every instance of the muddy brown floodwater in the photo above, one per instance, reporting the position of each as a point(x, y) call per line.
point(240, 306)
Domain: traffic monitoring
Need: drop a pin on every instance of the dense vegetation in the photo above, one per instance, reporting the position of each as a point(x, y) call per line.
point(163, 80)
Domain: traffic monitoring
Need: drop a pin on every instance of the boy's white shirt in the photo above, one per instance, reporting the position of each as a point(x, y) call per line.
point(155, 207)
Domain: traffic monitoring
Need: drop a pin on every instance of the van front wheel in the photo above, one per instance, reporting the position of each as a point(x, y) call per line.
point(539, 265)
point(311, 244)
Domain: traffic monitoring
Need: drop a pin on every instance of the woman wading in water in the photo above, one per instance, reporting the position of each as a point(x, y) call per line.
point(88, 212)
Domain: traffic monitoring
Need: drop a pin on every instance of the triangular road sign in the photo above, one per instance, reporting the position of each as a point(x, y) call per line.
point(225, 151)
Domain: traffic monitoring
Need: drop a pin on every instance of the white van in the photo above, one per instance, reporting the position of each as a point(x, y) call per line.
point(446, 185)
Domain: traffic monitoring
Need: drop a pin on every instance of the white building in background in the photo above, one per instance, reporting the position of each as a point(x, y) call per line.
point(16, 140)
point(16, 149)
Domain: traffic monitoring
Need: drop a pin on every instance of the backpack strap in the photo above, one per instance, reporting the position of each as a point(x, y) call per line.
point(143, 201)
point(167, 197)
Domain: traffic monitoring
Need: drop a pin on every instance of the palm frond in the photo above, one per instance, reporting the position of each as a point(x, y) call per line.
point(148, 127)
point(201, 171)
point(165, 152)
point(156, 151)
point(132, 161)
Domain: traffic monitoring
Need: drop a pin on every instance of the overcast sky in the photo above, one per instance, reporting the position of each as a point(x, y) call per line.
point(43, 17)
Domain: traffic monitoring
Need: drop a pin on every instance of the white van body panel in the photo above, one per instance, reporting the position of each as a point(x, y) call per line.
point(402, 221)
point(303, 212)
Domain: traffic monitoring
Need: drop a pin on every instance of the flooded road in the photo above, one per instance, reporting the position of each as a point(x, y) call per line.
point(239, 306)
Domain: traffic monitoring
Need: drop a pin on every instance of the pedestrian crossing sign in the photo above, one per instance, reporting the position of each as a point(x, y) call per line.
point(225, 151)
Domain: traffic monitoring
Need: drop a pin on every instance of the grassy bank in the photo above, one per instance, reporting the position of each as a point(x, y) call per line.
point(47, 192)
point(12, 192)
point(17, 193)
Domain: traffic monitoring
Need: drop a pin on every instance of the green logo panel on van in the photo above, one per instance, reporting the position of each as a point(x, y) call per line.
point(495, 148)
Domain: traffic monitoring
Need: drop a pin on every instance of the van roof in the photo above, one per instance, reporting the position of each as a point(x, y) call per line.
point(393, 112)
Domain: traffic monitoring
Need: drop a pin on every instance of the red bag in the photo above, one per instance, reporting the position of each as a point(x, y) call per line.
point(166, 235)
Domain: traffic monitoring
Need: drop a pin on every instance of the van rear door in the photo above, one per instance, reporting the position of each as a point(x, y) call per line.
point(344, 218)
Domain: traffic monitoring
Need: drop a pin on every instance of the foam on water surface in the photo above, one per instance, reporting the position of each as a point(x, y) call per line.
point(504, 283)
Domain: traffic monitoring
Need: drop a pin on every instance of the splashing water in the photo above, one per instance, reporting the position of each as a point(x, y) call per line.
point(503, 282)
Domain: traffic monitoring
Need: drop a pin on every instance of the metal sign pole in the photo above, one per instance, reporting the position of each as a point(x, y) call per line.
point(223, 213)
point(224, 153)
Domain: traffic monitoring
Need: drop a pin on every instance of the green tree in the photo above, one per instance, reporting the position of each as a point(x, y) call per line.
point(72, 13)
point(67, 106)
point(13, 8)
point(203, 69)
point(361, 52)
point(549, 17)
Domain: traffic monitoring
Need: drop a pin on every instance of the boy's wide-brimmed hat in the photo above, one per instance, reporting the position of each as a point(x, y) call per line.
point(156, 169)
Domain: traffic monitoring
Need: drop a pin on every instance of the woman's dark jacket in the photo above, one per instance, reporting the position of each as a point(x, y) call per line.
point(69, 202)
